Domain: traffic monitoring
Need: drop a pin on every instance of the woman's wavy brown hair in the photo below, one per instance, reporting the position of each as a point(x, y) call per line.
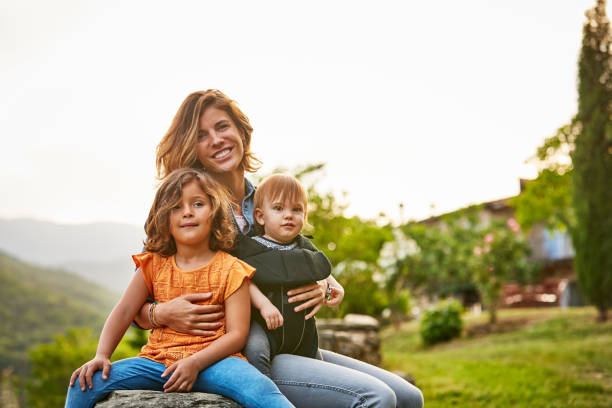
point(177, 147)
point(169, 194)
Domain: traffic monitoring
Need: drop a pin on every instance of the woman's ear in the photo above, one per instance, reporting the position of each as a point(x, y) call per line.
point(259, 218)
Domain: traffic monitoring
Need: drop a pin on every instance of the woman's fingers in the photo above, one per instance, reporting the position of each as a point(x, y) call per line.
point(313, 312)
point(302, 289)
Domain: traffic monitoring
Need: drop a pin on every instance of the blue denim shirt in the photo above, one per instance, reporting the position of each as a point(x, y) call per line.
point(247, 206)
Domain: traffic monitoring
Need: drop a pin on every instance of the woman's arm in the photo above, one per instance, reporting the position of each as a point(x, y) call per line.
point(184, 315)
point(237, 322)
point(116, 324)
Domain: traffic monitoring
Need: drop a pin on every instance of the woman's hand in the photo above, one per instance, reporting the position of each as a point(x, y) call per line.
point(337, 294)
point(183, 315)
point(87, 370)
point(184, 373)
point(313, 296)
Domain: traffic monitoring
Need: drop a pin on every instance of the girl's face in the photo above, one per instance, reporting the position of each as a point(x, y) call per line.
point(219, 146)
point(190, 219)
point(282, 221)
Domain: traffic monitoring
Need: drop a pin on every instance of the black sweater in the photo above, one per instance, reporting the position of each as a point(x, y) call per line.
point(276, 272)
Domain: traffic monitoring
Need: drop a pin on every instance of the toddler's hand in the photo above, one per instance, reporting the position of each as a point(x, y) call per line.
point(87, 370)
point(272, 316)
point(184, 373)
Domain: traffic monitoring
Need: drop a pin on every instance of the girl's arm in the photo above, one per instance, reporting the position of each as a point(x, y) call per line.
point(116, 324)
point(268, 311)
point(337, 292)
point(237, 322)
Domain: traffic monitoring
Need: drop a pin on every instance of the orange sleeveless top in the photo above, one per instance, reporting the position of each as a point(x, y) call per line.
point(222, 276)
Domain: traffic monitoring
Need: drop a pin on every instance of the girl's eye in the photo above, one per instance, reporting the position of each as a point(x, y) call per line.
point(198, 204)
point(201, 136)
point(297, 209)
point(277, 208)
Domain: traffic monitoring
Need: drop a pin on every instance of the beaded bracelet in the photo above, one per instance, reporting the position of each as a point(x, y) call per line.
point(152, 315)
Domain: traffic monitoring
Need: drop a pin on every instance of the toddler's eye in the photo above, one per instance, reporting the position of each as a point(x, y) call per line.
point(198, 204)
point(297, 209)
point(277, 208)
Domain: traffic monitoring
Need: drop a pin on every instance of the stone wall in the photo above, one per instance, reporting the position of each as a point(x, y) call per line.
point(354, 336)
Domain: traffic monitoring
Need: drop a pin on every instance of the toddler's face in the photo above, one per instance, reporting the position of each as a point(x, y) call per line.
point(282, 220)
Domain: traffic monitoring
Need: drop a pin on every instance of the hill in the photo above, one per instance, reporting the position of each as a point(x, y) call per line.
point(37, 303)
point(99, 252)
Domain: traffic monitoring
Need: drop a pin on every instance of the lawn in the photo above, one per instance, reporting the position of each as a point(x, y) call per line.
point(546, 358)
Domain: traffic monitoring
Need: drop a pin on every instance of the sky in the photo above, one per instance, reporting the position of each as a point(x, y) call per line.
point(432, 104)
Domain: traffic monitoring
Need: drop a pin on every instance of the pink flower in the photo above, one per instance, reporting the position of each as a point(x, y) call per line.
point(477, 251)
point(488, 238)
point(513, 225)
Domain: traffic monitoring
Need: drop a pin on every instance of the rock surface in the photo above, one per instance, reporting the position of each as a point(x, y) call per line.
point(156, 399)
point(354, 336)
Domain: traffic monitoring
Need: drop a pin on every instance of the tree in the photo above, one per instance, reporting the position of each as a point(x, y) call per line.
point(548, 198)
point(592, 160)
point(53, 363)
point(500, 257)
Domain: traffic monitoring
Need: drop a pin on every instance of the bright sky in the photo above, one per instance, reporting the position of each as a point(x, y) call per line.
point(421, 102)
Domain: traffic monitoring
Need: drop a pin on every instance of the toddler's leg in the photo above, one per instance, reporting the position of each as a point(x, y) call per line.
point(130, 374)
point(240, 381)
point(257, 349)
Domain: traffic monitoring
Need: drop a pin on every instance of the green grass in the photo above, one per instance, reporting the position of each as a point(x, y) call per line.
point(555, 358)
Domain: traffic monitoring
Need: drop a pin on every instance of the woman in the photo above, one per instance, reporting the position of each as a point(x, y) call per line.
point(209, 131)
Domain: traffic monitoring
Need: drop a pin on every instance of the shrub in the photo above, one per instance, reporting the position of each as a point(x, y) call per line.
point(441, 323)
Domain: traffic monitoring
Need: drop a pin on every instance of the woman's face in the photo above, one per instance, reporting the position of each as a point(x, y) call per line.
point(219, 146)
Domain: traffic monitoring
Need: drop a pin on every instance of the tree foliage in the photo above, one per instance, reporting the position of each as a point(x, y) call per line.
point(592, 160)
point(53, 363)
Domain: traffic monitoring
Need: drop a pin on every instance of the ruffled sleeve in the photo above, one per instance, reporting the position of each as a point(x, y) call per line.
point(238, 272)
point(144, 262)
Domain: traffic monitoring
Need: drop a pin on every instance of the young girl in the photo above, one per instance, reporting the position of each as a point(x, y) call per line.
point(283, 260)
point(188, 228)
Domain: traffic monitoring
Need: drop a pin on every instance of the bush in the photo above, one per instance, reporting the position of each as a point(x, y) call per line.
point(442, 323)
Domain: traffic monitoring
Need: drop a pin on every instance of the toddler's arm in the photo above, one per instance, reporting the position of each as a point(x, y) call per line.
point(238, 316)
point(116, 324)
point(337, 292)
point(268, 311)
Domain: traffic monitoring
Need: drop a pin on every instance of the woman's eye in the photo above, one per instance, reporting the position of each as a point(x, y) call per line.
point(201, 136)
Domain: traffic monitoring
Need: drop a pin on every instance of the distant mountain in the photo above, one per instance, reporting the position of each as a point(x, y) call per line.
point(37, 303)
point(99, 252)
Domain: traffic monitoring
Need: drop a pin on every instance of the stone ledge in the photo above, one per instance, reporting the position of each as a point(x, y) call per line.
point(156, 399)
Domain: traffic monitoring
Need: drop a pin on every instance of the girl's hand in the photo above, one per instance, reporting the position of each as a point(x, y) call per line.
point(313, 295)
point(272, 316)
point(87, 370)
point(184, 373)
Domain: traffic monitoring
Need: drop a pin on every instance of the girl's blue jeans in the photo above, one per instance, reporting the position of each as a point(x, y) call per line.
point(231, 377)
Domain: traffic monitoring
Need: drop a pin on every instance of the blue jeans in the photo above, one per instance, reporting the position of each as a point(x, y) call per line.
point(231, 377)
point(333, 381)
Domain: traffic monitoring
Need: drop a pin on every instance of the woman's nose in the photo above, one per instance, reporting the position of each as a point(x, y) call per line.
point(215, 138)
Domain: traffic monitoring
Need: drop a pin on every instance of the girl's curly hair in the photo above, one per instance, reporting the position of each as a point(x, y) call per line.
point(223, 231)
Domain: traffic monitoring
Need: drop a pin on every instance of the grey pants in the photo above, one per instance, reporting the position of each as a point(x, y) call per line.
point(334, 381)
